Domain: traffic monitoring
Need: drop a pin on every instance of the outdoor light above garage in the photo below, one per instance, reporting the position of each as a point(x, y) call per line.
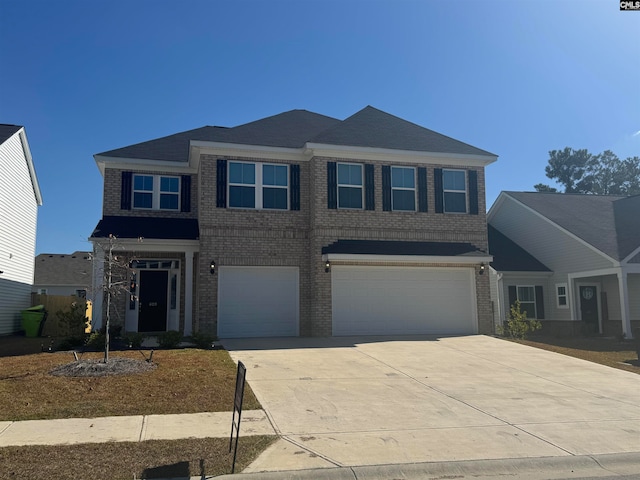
point(212, 267)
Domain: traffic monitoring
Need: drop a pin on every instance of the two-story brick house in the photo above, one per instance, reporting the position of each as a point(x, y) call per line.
point(301, 224)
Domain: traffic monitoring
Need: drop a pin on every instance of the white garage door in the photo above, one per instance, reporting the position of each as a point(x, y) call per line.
point(258, 302)
point(402, 300)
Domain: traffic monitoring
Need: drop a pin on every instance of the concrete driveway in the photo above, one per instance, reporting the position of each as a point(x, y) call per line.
point(373, 400)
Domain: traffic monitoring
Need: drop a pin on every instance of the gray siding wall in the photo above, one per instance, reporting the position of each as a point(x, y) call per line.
point(18, 217)
point(556, 249)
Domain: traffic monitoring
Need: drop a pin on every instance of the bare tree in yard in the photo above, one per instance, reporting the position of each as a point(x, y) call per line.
point(115, 282)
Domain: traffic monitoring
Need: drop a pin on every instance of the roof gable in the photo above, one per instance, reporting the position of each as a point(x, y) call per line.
point(592, 218)
point(6, 131)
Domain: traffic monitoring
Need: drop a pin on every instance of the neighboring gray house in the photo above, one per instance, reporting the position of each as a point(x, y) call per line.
point(19, 201)
point(572, 260)
point(300, 224)
point(63, 274)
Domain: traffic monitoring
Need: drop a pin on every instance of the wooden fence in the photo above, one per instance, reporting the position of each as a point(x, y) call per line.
point(54, 304)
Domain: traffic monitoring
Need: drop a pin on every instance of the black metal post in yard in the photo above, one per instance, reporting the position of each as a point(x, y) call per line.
point(237, 408)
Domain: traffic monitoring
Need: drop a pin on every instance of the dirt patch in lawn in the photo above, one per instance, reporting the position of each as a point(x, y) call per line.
point(604, 350)
point(183, 381)
point(117, 461)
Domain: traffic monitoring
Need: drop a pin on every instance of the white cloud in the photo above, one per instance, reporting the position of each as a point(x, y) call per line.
point(636, 134)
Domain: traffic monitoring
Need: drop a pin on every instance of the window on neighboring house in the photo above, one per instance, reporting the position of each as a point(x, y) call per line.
point(260, 186)
point(350, 191)
point(156, 192)
point(561, 295)
point(454, 191)
point(42, 291)
point(403, 188)
point(527, 297)
point(82, 293)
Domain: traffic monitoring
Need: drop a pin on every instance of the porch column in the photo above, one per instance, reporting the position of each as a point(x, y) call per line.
point(624, 304)
point(98, 289)
point(188, 293)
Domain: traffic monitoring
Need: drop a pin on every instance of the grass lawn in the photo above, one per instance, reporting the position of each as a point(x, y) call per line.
point(604, 350)
point(185, 381)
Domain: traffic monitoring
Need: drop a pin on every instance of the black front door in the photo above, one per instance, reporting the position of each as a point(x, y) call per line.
point(152, 304)
point(589, 306)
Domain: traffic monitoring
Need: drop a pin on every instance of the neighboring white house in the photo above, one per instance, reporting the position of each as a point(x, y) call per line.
point(19, 201)
point(63, 274)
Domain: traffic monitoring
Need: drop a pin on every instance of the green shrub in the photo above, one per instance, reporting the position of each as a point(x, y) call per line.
point(203, 340)
point(169, 339)
point(518, 326)
point(96, 340)
point(134, 339)
point(72, 321)
point(71, 343)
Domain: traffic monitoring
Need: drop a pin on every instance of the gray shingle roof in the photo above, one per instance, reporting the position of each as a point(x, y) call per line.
point(609, 223)
point(395, 247)
point(369, 127)
point(7, 130)
point(374, 128)
point(63, 269)
point(508, 256)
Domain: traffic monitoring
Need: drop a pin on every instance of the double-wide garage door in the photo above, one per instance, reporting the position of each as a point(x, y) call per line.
point(258, 302)
point(402, 300)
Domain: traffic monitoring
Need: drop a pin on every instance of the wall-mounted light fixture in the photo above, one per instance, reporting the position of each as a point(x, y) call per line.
point(212, 267)
point(327, 266)
point(482, 267)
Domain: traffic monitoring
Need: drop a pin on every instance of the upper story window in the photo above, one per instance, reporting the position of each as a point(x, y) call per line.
point(454, 191)
point(260, 186)
point(403, 188)
point(350, 185)
point(156, 192)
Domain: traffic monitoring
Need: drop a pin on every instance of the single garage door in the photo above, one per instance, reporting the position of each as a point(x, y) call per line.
point(258, 302)
point(402, 300)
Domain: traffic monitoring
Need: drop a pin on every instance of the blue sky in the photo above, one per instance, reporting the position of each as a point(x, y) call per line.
point(516, 78)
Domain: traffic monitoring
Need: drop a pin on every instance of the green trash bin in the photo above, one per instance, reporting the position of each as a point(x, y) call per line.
point(31, 320)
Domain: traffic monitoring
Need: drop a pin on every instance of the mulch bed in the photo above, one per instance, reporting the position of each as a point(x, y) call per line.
point(98, 368)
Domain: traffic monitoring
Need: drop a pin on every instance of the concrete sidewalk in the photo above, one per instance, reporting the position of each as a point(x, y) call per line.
point(130, 429)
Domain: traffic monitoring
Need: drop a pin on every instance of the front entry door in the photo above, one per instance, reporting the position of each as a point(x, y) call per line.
point(152, 304)
point(589, 306)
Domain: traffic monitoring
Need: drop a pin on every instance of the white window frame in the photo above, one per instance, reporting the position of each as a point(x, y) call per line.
point(565, 295)
point(258, 186)
point(403, 189)
point(155, 193)
point(535, 303)
point(349, 185)
point(446, 190)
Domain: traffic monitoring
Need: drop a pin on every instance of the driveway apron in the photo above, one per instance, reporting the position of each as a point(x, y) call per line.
point(379, 400)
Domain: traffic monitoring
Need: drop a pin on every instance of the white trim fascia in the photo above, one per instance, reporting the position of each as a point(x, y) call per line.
point(407, 156)
point(565, 231)
point(527, 273)
point(351, 257)
point(251, 151)
point(152, 244)
point(593, 273)
point(143, 164)
point(32, 169)
point(630, 256)
point(631, 268)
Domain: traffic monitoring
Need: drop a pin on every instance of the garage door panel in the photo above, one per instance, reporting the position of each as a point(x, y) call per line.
point(402, 300)
point(258, 302)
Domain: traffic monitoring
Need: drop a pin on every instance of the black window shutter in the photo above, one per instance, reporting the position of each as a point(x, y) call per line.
point(472, 179)
point(386, 188)
point(513, 295)
point(539, 302)
point(221, 184)
point(369, 188)
point(422, 189)
point(294, 187)
point(437, 183)
point(185, 194)
point(125, 191)
point(332, 185)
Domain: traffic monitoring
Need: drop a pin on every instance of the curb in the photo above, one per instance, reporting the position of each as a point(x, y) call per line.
point(537, 468)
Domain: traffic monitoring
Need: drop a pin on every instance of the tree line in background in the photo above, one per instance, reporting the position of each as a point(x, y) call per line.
point(582, 172)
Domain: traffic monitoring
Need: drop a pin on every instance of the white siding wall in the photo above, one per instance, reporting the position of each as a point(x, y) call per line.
point(18, 215)
point(557, 250)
